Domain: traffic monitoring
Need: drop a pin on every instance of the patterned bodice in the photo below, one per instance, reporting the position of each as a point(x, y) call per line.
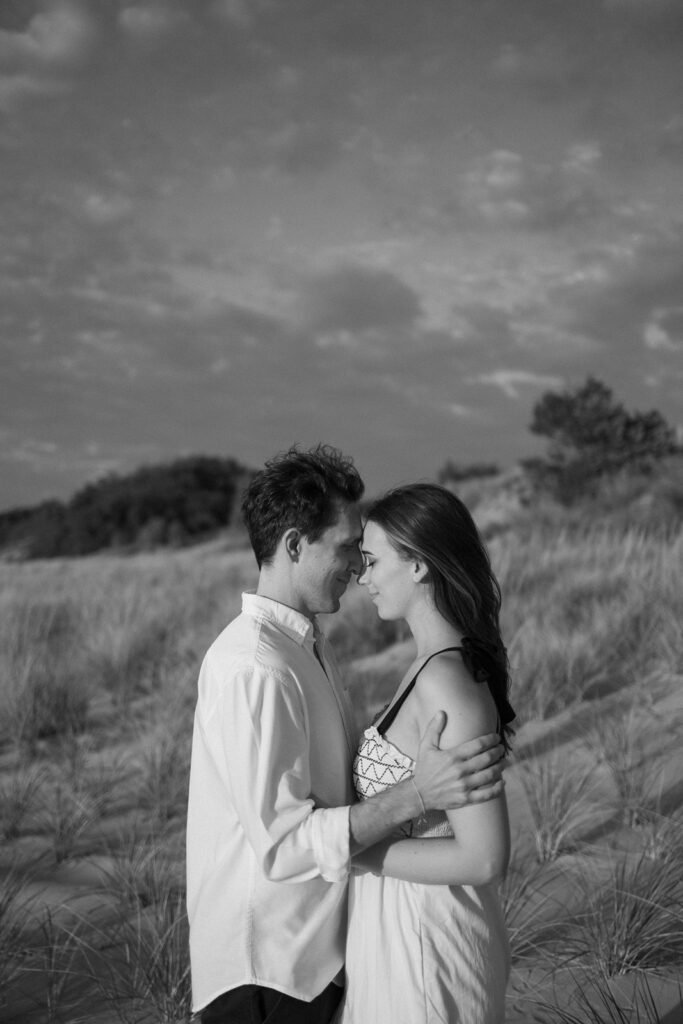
point(378, 765)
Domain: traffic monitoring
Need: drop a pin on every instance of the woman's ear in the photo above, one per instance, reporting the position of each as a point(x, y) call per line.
point(420, 571)
point(292, 542)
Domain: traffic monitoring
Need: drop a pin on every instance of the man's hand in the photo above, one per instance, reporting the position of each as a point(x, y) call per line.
point(467, 774)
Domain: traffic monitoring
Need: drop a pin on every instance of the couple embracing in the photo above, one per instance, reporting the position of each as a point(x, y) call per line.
point(332, 878)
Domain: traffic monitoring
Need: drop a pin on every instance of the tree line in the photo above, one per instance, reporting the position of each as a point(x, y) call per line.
point(167, 504)
point(589, 437)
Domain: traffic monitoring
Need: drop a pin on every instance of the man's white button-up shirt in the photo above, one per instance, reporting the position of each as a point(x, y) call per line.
point(268, 816)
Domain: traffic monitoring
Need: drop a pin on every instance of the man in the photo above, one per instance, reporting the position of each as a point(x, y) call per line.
point(272, 822)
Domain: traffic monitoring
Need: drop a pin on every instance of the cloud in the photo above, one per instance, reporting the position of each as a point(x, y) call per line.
point(545, 67)
point(40, 59)
point(510, 381)
point(486, 324)
point(14, 88)
point(235, 12)
point(149, 22)
point(671, 136)
point(60, 35)
point(658, 23)
point(73, 457)
point(503, 188)
point(103, 209)
point(359, 299)
point(664, 331)
point(622, 288)
point(296, 147)
point(421, 394)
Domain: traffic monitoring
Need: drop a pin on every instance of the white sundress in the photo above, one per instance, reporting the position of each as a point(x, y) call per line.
point(417, 953)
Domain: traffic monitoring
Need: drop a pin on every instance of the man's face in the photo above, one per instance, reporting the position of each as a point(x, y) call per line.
point(327, 564)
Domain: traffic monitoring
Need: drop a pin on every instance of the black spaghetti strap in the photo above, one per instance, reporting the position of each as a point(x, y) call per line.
point(393, 711)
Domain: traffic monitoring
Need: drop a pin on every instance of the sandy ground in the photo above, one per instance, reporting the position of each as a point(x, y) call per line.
point(76, 883)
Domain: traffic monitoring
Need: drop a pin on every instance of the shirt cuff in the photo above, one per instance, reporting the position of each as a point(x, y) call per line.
point(331, 842)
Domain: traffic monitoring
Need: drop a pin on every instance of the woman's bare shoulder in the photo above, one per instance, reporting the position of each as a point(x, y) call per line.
point(446, 685)
point(444, 671)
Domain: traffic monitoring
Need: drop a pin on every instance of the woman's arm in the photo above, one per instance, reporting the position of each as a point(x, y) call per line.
point(430, 861)
point(479, 850)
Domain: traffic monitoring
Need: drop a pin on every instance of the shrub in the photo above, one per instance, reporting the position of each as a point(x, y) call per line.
point(591, 436)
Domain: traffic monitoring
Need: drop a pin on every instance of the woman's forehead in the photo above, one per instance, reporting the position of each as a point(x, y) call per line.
point(373, 535)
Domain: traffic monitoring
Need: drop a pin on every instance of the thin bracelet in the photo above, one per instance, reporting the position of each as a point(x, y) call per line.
point(424, 809)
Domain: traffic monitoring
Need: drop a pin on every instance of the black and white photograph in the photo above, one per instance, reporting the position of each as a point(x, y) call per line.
point(341, 512)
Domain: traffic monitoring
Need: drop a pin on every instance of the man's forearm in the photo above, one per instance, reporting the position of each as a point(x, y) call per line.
point(375, 818)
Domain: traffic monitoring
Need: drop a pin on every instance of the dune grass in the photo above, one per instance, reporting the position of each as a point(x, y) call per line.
point(632, 921)
point(98, 668)
point(563, 798)
point(620, 741)
point(20, 798)
point(594, 1000)
point(15, 903)
point(589, 611)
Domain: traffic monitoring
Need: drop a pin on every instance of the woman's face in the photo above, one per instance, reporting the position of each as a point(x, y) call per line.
point(389, 577)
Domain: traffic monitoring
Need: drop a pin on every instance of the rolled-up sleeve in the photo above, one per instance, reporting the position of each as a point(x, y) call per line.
point(330, 834)
point(259, 736)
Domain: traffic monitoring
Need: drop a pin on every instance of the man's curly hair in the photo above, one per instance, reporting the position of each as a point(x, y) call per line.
point(300, 489)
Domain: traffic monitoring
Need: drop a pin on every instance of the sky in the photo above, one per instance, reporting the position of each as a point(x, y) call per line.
point(229, 226)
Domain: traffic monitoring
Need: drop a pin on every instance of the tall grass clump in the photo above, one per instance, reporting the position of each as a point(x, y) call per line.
point(563, 800)
point(140, 965)
point(535, 907)
point(633, 921)
point(164, 774)
point(16, 905)
point(145, 870)
point(620, 741)
point(127, 640)
point(20, 798)
point(597, 1000)
point(54, 966)
point(69, 814)
point(663, 835)
point(44, 690)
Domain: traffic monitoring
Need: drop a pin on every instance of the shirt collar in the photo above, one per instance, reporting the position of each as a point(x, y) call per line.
point(297, 625)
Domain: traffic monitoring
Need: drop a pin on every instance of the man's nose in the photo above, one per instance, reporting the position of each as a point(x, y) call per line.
point(361, 572)
point(357, 566)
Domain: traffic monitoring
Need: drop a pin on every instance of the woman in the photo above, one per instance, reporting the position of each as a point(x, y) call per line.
point(426, 939)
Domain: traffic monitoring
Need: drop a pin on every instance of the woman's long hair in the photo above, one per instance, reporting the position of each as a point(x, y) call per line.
point(429, 522)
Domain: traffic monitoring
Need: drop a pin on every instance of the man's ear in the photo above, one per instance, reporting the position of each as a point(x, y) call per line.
point(292, 543)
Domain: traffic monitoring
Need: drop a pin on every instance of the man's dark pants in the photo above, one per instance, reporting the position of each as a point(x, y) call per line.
point(254, 1004)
